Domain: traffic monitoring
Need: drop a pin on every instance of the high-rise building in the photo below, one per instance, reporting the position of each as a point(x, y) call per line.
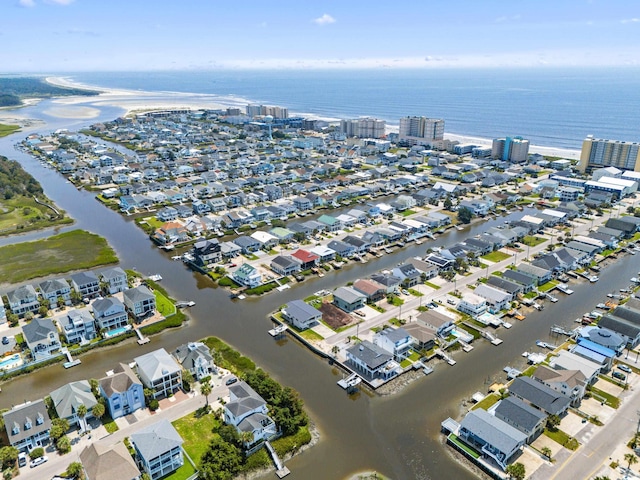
point(597, 153)
point(510, 149)
point(363, 127)
point(263, 110)
point(421, 130)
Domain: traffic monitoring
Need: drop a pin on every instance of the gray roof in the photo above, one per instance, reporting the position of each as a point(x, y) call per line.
point(138, 294)
point(103, 304)
point(33, 412)
point(606, 338)
point(84, 278)
point(157, 364)
point(540, 395)
point(24, 292)
point(372, 355)
point(393, 334)
point(188, 353)
point(114, 272)
point(253, 422)
point(301, 310)
point(503, 284)
point(38, 330)
point(156, 439)
point(69, 397)
point(286, 261)
point(519, 277)
point(490, 293)
point(247, 399)
point(52, 286)
point(519, 414)
point(492, 430)
point(348, 294)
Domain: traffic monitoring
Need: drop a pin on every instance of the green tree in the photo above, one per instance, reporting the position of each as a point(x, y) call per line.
point(221, 461)
point(59, 426)
point(205, 389)
point(75, 471)
point(465, 215)
point(36, 453)
point(447, 203)
point(553, 421)
point(98, 410)
point(7, 474)
point(82, 413)
point(13, 319)
point(516, 470)
point(8, 457)
point(631, 459)
point(546, 451)
point(28, 316)
point(63, 444)
point(60, 302)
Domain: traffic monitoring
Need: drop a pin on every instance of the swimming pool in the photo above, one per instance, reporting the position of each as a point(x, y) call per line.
point(117, 331)
point(12, 361)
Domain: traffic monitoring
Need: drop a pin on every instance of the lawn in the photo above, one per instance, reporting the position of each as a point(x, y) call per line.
point(496, 256)
point(532, 241)
point(8, 129)
point(562, 438)
point(406, 213)
point(22, 214)
point(196, 433)
point(405, 363)
point(610, 400)
point(394, 300)
point(464, 446)
point(545, 287)
point(487, 402)
point(432, 285)
point(109, 424)
point(74, 250)
point(415, 293)
point(184, 472)
point(163, 304)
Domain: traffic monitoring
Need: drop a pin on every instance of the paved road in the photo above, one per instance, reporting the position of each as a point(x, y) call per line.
point(58, 464)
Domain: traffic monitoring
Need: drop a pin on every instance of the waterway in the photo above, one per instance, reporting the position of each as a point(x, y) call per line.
point(397, 435)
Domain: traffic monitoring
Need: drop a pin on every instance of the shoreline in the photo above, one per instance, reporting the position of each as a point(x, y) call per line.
point(134, 100)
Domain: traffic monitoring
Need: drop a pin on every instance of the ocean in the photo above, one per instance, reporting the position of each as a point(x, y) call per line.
point(549, 106)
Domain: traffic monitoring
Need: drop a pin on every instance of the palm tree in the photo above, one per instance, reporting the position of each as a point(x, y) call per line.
point(205, 389)
point(82, 413)
point(98, 410)
point(546, 451)
point(246, 438)
point(74, 470)
point(631, 459)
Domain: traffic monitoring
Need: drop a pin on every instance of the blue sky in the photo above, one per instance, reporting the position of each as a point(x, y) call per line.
point(85, 35)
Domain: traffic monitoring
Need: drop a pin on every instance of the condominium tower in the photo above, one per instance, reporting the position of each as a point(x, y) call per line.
point(512, 149)
point(363, 127)
point(421, 130)
point(597, 153)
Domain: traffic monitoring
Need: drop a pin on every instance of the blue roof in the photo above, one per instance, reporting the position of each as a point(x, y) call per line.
point(589, 354)
point(593, 346)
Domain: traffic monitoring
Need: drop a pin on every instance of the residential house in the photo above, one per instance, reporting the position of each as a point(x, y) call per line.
point(596, 353)
point(522, 416)
point(409, 275)
point(247, 244)
point(140, 301)
point(324, 253)
point(604, 337)
point(307, 259)
point(266, 240)
point(472, 304)
point(248, 412)
point(159, 371)
point(512, 288)
point(68, 398)
point(108, 462)
point(424, 338)
point(571, 383)
point(542, 275)
point(42, 338)
point(348, 299)
point(396, 341)
point(196, 359)
point(540, 396)
point(86, 284)
point(371, 361)
point(495, 438)
point(301, 315)
point(23, 299)
point(343, 249)
point(361, 245)
point(207, 252)
point(52, 290)
point(158, 449)
point(27, 425)
point(110, 313)
point(390, 282)
point(427, 270)
point(441, 324)
point(285, 265)
point(247, 275)
point(496, 299)
point(115, 280)
point(282, 234)
point(77, 326)
point(566, 360)
point(373, 290)
point(122, 390)
point(528, 282)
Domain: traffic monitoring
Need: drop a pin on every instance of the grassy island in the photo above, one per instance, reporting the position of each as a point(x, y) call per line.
point(66, 252)
point(8, 129)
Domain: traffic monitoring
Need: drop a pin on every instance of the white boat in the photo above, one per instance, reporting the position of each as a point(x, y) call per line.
point(155, 278)
point(594, 278)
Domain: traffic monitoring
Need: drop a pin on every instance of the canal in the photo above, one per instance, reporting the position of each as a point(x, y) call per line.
point(397, 435)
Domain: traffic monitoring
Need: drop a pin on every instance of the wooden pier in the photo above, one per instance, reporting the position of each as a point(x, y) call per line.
point(71, 362)
point(141, 339)
point(281, 470)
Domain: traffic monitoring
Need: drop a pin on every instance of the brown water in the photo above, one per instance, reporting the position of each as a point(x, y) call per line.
point(396, 435)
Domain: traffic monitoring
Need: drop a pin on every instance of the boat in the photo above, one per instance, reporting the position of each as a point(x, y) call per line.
point(459, 228)
point(594, 278)
point(602, 306)
point(155, 278)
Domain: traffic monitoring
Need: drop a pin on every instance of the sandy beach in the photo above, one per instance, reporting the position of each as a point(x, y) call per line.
point(136, 101)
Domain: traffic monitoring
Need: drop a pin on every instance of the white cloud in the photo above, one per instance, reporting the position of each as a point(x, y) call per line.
point(60, 2)
point(325, 19)
point(630, 20)
point(26, 3)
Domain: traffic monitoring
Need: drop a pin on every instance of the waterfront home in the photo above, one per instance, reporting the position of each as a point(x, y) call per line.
point(170, 233)
point(285, 265)
point(424, 338)
point(528, 282)
point(229, 250)
point(266, 240)
point(566, 360)
point(27, 425)
point(86, 284)
point(196, 359)
point(571, 383)
point(140, 301)
point(441, 324)
point(542, 275)
point(42, 338)
point(472, 304)
point(426, 270)
point(332, 223)
point(540, 396)
point(596, 353)
point(167, 214)
point(390, 282)
point(373, 290)
point(512, 288)
point(23, 299)
point(409, 275)
point(55, 289)
point(439, 261)
point(604, 337)
point(247, 244)
point(371, 361)
point(522, 416)
point(108, 462)
point(495, 438)
point(307, 259)
point(122, 390)
point(158, 449)
point(248, 412)
point(160, 372)
point(348, 299)
point(110, 313)
point(115, 280)
point(282, 234)
point(360, 245)
point(77, 326)
point(343, 249)
point(68, 398)
point(206, 252)
point(247, 275)
point(496, 299)
point(324, 253)
point(396, 341)
point(301, 315)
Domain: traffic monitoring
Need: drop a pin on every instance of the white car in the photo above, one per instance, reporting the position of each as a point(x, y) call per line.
point(38, 461)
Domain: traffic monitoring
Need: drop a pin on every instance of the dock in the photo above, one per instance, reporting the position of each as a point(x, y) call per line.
point(71, 362)
point(465, 346)
point(141, 339)
point(564, 288)
point(511, 372)
point(445, 357)
point(545, 345)
point(278, 331)
point(491, 337)
point(281, 470)
point(350, 383)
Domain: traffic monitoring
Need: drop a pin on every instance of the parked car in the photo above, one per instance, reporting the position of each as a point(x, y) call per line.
point(624, 368)
point(405, 292)
point(5, 340)
point(22, 459)
point(619, 376)
point(38, 461)
point(231, 381)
